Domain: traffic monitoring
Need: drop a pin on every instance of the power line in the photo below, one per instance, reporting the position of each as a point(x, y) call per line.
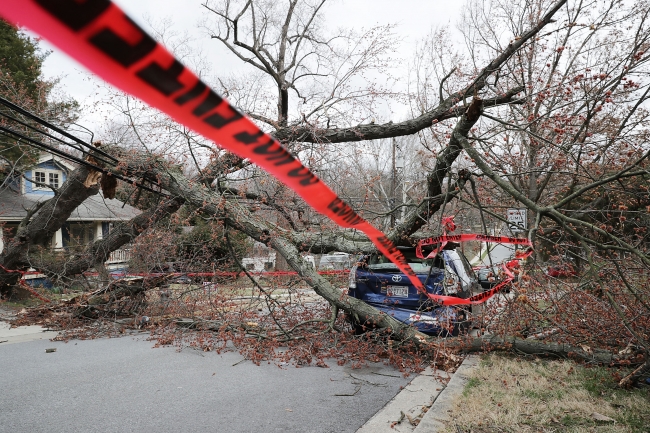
point(49, 125)
point(42, 146)
point(37, 144)
point(33, 128)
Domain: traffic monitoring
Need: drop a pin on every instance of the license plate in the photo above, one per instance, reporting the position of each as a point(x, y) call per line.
point(423, 318)
point(397, 291)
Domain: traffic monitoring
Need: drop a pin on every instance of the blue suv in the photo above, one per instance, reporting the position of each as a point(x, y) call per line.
point(378, 282)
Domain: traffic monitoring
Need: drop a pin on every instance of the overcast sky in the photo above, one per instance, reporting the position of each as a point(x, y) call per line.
point(414, 18)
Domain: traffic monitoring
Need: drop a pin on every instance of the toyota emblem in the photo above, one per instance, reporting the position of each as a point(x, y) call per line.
point(397, 278)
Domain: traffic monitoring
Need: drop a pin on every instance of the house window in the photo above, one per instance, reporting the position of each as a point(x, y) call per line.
point(80, 234)
point(45, 178)
point(39, 176)
point(54, 180)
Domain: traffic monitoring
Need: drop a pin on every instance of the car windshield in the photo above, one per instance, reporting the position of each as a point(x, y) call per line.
point(461, 266)
point(379, 262)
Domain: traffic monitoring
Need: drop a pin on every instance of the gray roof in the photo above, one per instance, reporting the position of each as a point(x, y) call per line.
point(95, 208)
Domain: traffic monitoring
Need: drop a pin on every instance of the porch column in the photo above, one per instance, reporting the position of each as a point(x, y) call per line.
point(58, 239)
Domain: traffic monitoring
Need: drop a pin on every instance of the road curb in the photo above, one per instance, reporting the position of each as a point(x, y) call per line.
point(409, 404)
point(437, 418)
point(426, 399)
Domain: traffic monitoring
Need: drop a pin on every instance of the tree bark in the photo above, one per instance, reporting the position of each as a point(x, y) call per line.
point(448, 109)
point(533, 347)
point(436, 178)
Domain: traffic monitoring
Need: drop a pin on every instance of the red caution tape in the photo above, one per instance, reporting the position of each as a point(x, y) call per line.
point(507, 267)
point(442, 241)
point(100, 36)
point(209, 274)
point(448, 223)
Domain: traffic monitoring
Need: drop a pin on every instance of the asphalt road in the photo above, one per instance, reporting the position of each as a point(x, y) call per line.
point(125, 385)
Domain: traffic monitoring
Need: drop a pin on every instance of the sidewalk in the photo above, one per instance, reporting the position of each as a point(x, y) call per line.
point(425, 401)
point(23, 333)
point(437, 417)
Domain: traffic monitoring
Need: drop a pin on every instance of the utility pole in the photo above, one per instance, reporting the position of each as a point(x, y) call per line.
point(392, 188)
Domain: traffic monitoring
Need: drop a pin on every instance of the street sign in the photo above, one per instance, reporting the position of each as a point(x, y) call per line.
point(517, 221)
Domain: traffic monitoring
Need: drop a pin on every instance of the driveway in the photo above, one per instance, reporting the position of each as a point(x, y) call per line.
point(125, 385)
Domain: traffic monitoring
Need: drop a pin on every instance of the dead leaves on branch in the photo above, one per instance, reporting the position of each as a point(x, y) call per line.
point(119, 299)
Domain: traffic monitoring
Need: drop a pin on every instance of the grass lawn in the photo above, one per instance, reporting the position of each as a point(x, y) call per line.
point(506, 394)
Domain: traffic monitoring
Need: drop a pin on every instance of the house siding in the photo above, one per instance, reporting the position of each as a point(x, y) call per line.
point(47, 165)
point(14, 184)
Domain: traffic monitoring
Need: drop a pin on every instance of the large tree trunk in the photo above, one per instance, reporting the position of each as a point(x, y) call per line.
point(534, 347)
point(283, 241)
point(436, 178)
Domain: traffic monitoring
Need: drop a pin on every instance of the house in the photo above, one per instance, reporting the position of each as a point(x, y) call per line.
point(263, 259)
point(335, 261)
point(91, 221)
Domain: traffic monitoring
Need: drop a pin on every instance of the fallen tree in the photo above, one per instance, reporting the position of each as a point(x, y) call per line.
point(526, 98)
